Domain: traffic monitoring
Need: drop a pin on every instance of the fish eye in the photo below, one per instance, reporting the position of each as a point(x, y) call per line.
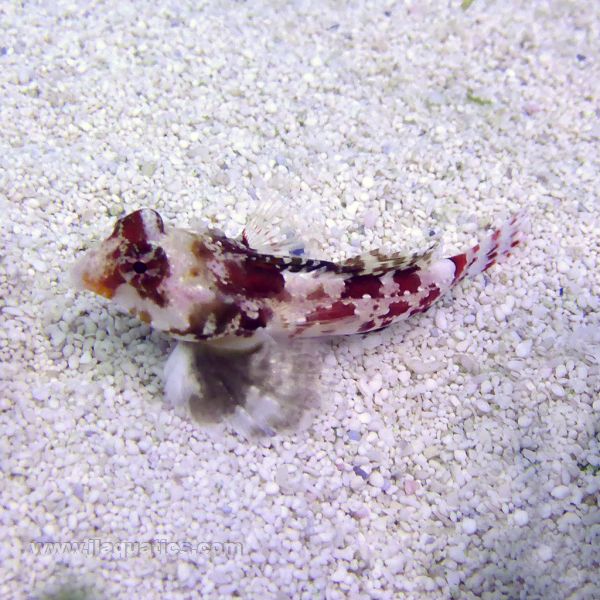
point(144, 266)
point(139, 267)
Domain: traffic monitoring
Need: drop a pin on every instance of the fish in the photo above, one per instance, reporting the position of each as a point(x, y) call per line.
point(224, 297)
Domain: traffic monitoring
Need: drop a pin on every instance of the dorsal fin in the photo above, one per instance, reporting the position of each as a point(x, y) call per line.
point(377, 262)
point(373, 262)
point(267, 231)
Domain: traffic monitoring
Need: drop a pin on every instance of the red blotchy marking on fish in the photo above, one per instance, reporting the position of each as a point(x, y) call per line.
point(253, 279)
point(515, 243)
point(490, 264)
point(338, 310)
point(428, 300)
point(107, 285)
point(460, 262)
point(200, 250)
point(496, 235)
point(407, 280)
point(132, 227)
point(361, 285)
point(318, 294)
point(367, 326)
point(396, 309)
point(228, 245)
point(225, 316)
point(251, 324)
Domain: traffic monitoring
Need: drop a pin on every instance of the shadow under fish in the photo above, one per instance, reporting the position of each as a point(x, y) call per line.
point(271, 387)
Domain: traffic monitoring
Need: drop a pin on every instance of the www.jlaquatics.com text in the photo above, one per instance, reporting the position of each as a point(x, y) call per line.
point(123, 549)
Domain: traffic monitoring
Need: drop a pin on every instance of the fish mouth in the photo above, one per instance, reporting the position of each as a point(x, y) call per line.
point(97, 286)
point(82, 280)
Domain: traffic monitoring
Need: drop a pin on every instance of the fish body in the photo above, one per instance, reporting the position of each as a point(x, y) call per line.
point(206, 287)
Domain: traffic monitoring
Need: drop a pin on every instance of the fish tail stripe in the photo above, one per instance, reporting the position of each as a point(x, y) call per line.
point(498, 244)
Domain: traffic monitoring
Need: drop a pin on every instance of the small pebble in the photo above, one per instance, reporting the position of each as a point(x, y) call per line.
point(524, 421)
point(404, 377)
point(368, 182)
point(545, 553)
point(78, 491)
point(440, 320)
point(85, 358)
point(370, 219)
point(469, 526)
point(183, 570)
point(567, 521)
point(360, 472)
point(375, 383)
point(468, 363)
point(483, 406)
point(410, 487)
point(364, 418)
point(521, 518)
point(560, 492)
point(486, 386)
point(57, 337)
point(457, 554)
point(560, 371)
point(40, 393)
point(24, 76)
point(523, 348)
point(376, 479)
point(271, 488)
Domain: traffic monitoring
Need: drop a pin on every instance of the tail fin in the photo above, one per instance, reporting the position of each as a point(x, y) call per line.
point(497, 244)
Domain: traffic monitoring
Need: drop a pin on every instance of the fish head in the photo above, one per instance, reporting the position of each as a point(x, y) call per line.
point(159, 274)
point(131, 265)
